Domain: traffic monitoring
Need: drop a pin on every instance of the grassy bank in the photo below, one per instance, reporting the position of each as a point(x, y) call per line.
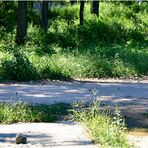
point(113, 45)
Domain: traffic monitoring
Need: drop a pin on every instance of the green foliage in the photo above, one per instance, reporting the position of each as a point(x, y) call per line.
point(33, 17)
point(113, 45)
point(109, 131)
point(8, 15)
point(145, 114)
point(69, 13)
point(21, 112)
point(17, 67)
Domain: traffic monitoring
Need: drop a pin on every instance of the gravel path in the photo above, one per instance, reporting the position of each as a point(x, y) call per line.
point(131, 96)
point(138, 141)
point(57, 135)
point(112, 93)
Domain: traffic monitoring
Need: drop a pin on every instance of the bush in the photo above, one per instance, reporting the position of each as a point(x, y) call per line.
point(21, 112)
point(8, 15)
point(18, 67)
point(106, 130)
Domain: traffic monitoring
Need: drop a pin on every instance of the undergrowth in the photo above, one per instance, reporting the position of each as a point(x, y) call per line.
point(21, 112)
point(145, 114)
point(113, 45)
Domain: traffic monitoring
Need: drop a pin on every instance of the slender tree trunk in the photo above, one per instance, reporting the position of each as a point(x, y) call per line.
point(44, 15)
point(21, 22)
point(81, 12)
point(95, 7)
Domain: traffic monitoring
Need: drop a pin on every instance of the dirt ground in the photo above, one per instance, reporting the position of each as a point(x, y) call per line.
point(131, 96)
point(49, 135)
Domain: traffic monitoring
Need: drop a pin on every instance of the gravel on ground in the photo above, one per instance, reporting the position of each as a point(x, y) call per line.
point(129, 95)
point(58, 135)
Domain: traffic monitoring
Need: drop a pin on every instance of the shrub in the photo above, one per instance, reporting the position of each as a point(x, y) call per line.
point(105, 129)
point(21, 112)
point(18, 67)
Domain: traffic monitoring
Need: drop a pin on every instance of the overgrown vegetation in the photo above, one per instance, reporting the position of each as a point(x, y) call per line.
point(21, 112)
point(113, 45)
point(106, 129)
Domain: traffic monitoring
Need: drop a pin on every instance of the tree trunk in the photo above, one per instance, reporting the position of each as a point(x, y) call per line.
point(81, 12)
point(44, 15)
point(95, 7)
point(21, 22)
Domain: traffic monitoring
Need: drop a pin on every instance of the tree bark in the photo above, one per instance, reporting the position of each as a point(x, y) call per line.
point(44, 15)
point(95, 7)
point(81, 12)
point(21, 22)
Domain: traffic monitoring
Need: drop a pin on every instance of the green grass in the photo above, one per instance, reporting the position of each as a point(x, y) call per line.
point(21, 112)
point(105, 129)
point(113, 45)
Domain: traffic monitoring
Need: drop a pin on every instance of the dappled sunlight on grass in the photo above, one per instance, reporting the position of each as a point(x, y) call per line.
point(113, 45)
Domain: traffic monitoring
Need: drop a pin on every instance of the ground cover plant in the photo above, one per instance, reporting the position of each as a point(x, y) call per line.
point(105, 129)
point(21, 112)
point(115, 44)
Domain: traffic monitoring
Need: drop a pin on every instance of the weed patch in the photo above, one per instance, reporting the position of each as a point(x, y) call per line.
point(108, 130)
point(21, 112)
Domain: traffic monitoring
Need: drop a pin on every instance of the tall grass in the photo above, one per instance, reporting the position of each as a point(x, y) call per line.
point(107, 130)
point(21, 112)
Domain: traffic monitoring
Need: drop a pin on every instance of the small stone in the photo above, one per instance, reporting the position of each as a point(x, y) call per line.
point(20, 139)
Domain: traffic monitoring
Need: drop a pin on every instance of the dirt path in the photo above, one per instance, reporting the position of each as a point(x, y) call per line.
point(40, 135)
point(130, 96)
point(119, 93)
point(138, 141)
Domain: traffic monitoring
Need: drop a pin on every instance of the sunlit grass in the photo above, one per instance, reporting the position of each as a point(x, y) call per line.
point(21, 112)
point(105, 129)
